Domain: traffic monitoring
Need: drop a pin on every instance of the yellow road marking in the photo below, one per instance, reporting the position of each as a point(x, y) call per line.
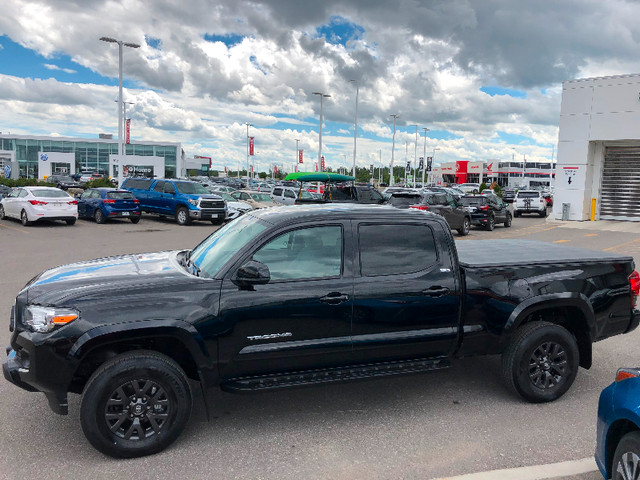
point(622, 245)
point(561, 241)
point(592, 234)
point(13, 228)
point(517, 234)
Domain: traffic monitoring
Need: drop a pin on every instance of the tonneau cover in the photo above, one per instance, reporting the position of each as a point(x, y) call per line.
point(502, 253)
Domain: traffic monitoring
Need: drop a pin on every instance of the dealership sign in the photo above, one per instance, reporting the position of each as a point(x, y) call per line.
point(137, 171)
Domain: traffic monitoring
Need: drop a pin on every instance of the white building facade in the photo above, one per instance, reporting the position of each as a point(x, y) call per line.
point(599, 149)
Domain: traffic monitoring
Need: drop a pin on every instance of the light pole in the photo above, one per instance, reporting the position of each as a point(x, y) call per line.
point(393, 148)
point(380, 169)
point(355, 130)
point(124, 126)
point(433, 155)
point(120, 106)
point(248, 125)
point(297, 151)
point(424, 155)
point(322, 95)
point(415, 156)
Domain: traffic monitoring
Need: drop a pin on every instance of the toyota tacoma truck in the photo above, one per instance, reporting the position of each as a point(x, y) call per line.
point(181, 199)
point(302, 295)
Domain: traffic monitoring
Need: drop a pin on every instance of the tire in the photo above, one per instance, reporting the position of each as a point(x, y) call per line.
point(135, 220)
point(24, 218)
point(70, 221)
point(626, 459)
point(126, 383)
point(182, 216)
point(531, 370)
point(99, 216)
point(543, 213)
point(491, 224)
point(507, 224)
point(516, 213)
point(466, 226)
point(2, 215)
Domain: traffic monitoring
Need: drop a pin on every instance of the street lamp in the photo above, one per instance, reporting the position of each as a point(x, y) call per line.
point(322, 95)
point(393, 148)
point(355, 130)
point(248, 125)
point(433, 155)
point(424, 155)
point(415, 155)
point(120, 105)
point(297, 151)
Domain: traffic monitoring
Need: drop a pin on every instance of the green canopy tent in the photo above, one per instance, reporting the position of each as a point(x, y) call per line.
point(324, 177)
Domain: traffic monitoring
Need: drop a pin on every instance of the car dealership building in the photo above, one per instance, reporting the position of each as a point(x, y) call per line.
point(38, 157)
point(598, 169)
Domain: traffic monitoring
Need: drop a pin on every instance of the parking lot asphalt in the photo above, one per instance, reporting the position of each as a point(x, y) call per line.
point(447, 423)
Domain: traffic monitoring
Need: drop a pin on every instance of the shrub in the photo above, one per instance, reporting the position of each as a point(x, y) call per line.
point(22, 182)
point(483, 186)
point(98, 182)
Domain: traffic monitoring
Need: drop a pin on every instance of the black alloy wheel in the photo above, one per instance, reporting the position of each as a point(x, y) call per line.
point(99, 216)
point(507, 223)
point(135, 404)
point(491, 223)
point(466, 226)
point(541, 361)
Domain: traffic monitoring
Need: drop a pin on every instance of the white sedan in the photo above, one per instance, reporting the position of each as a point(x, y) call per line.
point(30, 204)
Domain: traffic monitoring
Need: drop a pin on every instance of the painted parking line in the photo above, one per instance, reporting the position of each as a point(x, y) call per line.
point(625, 244)
point(536, 472)
point(13, 228)
point(561, 241)
point(591, 234)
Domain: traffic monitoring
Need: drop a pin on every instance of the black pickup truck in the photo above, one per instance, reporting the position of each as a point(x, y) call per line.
point(303, 295)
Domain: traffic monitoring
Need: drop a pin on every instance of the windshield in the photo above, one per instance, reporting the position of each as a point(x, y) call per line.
point(214, 252)
point(190, 188)
point(226, 196)
point(49, 193)
point(261, 197)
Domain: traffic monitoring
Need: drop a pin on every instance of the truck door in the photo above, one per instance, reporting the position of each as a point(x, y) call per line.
point(301, 319)
point(406, 292)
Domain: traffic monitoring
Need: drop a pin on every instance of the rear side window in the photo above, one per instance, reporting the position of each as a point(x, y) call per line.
point(342, 193)
point(400, 200)
point(382, 253)
point(277, 192)
point(369, 195)
point(289, 194)
point(467, 201)
point(120, 195)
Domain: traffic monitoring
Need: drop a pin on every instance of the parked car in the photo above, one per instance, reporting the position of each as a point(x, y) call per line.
point(486, 210)
point(255, 199)
point(354, 194)
point(87, 177)
point(182, 199)
point(508, 195)
point(456, 215)
point(303, 295)
point(103, 204)
point(32, 204)
point(235, 207)
point(63, 182)
point(529, 201)
point(215, 187)
point(287, 195)
point(264, 187)
point(4, 190)
point(469, 187)
point(618, 429)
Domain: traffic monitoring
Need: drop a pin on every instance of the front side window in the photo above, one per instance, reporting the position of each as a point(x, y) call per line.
point(306, 253)
point(289, 194)
point(159, 187)
point(168, 188)
point(190, 188)
point(86, 194)
point(382, 252)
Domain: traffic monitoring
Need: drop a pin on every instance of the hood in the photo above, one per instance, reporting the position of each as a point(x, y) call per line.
point(99, 277)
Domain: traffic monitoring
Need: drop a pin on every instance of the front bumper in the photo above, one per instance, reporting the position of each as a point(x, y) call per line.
point(208, 214)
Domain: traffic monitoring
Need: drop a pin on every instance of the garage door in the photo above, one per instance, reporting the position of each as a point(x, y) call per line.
point(620, 191)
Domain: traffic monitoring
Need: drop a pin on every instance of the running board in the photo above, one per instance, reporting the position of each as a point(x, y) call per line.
point(330, 375)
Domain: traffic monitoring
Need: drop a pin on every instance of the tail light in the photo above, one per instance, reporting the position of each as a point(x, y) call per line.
point(624, 373)
point(136, 201)
point(484, 208)
point(420, 207)
point(37, 202)
point(634, 283)
point(73, 202)
point(108, 200)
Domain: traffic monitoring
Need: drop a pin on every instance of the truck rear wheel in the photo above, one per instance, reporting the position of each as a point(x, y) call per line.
point(182, 216)
point(135, 404)
point(541, 362)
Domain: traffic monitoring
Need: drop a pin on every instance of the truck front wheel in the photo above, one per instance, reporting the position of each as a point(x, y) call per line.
point(541, 362)
point(182, 216)
point(135, 404)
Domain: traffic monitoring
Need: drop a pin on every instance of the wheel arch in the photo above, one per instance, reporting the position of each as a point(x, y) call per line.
point(180, 341)
point(617, 430)
point(569, 310)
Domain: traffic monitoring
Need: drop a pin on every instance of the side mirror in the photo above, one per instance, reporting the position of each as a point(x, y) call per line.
point(251, 273)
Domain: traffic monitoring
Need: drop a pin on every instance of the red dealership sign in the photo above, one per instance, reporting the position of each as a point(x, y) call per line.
point(251, 145)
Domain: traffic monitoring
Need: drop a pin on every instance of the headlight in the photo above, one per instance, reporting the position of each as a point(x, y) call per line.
point(193, 202)
point(45, 319)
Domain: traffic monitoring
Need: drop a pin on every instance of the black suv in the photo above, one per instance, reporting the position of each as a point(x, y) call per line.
point(63, 181)
point(508, 195)
point(487, 210)
point(354, 194)
point(443, 204)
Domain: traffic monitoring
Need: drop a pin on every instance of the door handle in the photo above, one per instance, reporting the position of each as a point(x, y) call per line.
point(334, 298)
point(436, 291)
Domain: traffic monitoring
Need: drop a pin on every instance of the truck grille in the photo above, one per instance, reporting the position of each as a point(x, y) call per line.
point(211, 203)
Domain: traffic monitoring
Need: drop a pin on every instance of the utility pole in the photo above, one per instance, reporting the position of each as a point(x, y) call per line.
point(393, 149)
point(355, 129)
point(424, 155)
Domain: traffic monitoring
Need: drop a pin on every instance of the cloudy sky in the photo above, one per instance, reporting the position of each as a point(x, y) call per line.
point(484, 76)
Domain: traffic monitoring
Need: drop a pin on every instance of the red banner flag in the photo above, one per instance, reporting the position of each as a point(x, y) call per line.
point(322, 163)
point(225, 169)
point(128, 131)
point(251, 145)
point(275, 169)
point(300, 156)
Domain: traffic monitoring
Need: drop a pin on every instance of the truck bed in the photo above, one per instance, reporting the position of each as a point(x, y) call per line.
point(503, 253)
